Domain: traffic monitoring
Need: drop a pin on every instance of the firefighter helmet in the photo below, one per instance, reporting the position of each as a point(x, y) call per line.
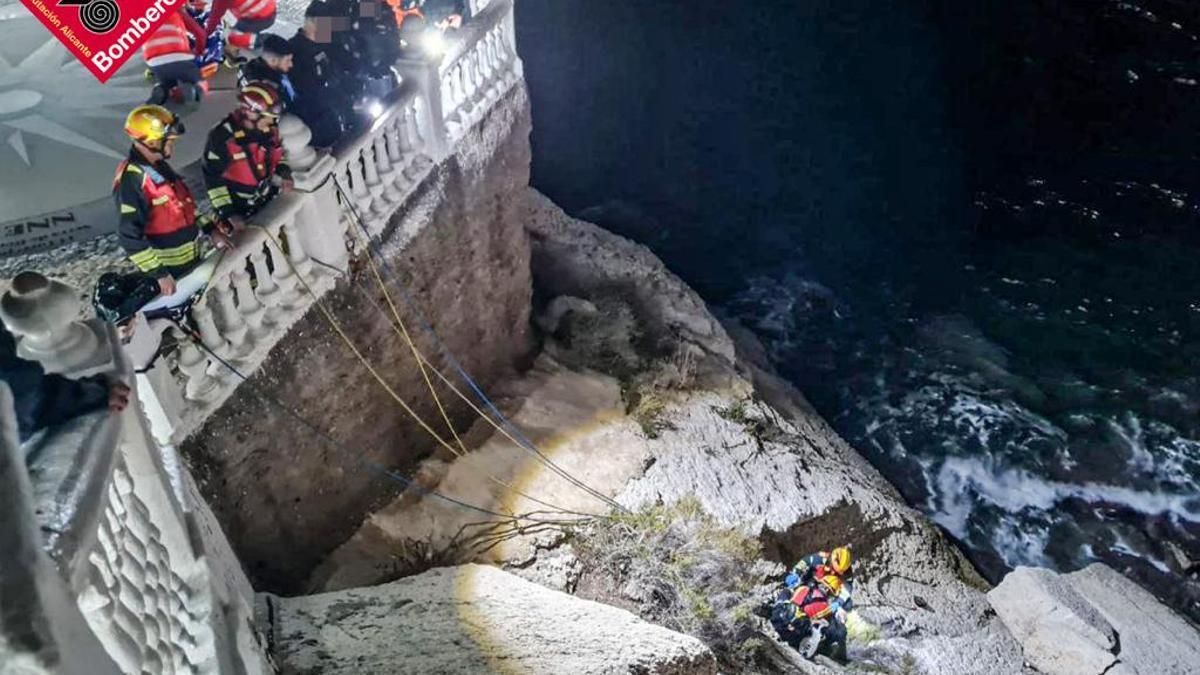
point(260, 97)
point(831, 583)
point(839, 559)
point(152, 123)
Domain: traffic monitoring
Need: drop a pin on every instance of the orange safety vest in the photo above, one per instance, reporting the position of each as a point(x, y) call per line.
point(172, 207)
point(252, 163)
point(253, 9)
point(402, 14)
point(169, 43)
point(812, 602)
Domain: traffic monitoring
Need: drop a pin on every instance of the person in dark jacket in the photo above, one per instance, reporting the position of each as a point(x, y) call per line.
point(44, 400)
point(321, 101)
point(244, 165)
point(272, 66)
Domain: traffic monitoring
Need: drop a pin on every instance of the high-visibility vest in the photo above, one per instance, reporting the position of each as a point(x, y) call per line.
point(252, 164)
point(253, 9)
point(172, 207)
point(169, 43)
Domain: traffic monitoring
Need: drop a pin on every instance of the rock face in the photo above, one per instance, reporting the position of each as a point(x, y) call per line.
point(472, 619)
point(284, 497)
point(1093, 621)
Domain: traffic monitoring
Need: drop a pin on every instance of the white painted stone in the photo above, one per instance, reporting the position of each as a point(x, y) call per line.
point(473, 619)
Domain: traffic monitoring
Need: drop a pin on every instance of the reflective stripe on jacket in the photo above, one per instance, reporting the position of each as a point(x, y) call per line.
point(157, 216)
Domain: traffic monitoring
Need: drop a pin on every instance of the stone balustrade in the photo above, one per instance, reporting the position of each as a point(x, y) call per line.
point(112, 561)
point(125, 558)
point(295, 246)
point(480, 67)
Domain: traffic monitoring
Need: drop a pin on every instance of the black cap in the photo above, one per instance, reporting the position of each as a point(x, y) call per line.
point(276, 45)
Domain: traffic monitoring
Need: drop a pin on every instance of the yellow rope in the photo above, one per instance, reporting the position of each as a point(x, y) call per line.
point(387, 387)
point(417, 355)
point(424, 361)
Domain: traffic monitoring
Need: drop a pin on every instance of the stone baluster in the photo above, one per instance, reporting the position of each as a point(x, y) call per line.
point(291, 292)
point(377, 209)
point(44, 315)
point(383, 164)
point(251, 309)
point(193, 364)
point(358, 184)
point(490, 62)
point(210, 335)
point(230, 321)
point(268, 292)
point(300, 262)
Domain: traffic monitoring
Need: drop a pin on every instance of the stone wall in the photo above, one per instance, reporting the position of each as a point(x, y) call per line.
point(284, 497)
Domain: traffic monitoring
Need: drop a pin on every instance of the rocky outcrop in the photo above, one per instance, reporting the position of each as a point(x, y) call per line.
point(1093, 621)
point(472, 619)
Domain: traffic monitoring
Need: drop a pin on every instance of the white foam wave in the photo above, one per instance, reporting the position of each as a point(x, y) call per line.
point(961, 481)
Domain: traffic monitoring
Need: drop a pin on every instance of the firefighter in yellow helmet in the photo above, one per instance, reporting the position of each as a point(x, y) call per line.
point(836, 563)
point(157, 220)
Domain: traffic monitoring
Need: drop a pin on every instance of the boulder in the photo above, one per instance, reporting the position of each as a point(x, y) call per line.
point(1094, 621)
point(472, 619)
point(1153, 638)
point(1059, 630)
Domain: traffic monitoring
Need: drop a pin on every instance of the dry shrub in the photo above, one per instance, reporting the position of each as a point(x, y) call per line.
point(684, 571)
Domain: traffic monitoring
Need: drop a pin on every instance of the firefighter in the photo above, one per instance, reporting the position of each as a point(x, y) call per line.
point(252, 18)
point(243, 165)
point(157, 223)
point(172, 58)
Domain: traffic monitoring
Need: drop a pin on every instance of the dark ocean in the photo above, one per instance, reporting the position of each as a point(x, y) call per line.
point(971, 235)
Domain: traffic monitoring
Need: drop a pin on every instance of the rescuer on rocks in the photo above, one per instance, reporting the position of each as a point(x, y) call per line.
point(812, 567)
point(273, 67)
point(171, 57)
point(244, 166)
point(252, 18)
point(157, 224)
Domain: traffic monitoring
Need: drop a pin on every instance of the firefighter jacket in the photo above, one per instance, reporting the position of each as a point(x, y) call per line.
point(170, 42)
point(241, 9)
point(240, 166)
point(157, 216)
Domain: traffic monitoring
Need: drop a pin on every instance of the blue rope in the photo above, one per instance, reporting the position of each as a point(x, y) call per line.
point(410, 304)
point(369, 463)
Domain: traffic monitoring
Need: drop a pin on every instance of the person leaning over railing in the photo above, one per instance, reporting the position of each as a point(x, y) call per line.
point(157, 217)
point(244, 165)
point(44, 400)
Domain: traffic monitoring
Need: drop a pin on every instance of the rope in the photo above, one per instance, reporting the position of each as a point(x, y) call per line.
point(509, 430)
point(364, 461)
point(329, 318)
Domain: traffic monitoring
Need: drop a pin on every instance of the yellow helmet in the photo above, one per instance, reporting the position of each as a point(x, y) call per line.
point(832, 583)
point(839, 559)
point(152, 123)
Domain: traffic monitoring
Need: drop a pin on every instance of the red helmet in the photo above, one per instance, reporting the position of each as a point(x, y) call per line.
point(260, 97)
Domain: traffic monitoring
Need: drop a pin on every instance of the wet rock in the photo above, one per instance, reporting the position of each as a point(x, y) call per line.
point(473, 619)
